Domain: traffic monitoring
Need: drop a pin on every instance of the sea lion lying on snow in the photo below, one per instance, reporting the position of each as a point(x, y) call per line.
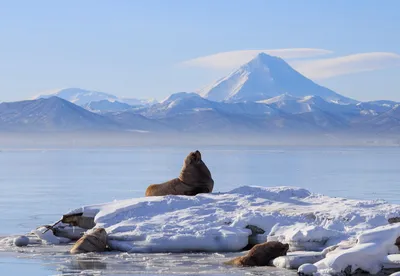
point(195, 178)
point(94, 241)
point(261, 254)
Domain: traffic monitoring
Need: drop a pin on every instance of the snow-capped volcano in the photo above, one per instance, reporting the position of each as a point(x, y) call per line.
point(265, 77)
point(280, 100)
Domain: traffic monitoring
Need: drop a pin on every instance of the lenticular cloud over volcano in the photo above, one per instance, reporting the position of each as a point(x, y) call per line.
point(331, 67)
point(232, 59)
point(312, 68)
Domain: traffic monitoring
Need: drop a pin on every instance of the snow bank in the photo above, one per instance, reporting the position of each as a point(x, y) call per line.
point(217, 222)
point(293, 260)
point(369, 254)
point(40, 235)
point(48, 237)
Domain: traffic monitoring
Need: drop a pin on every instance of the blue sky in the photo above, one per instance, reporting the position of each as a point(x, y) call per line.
point(143, 48)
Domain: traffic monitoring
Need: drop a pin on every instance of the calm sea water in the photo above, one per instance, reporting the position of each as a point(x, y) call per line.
point(38, 186)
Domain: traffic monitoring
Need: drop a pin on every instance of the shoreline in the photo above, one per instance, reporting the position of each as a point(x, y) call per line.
point(306, 221)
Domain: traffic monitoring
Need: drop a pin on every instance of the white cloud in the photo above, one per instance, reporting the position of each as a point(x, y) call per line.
point(233, 59)
point(314, 69)
point(331, 67)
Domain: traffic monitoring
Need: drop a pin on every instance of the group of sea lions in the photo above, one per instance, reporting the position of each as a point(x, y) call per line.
point(194, 178)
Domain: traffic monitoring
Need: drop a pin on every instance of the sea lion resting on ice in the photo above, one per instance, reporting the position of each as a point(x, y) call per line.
point(261, 254)
point(94, 241)
point(195, 178)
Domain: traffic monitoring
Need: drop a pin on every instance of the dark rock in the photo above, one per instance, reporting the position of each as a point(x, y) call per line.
point(21, 241)
point(79, 220)
point(394, 220)
point(255, 231)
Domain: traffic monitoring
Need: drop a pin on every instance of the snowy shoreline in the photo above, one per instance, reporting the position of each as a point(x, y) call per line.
point(219, 222)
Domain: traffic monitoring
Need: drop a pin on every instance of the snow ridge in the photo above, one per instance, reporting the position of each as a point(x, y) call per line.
point(217, 222)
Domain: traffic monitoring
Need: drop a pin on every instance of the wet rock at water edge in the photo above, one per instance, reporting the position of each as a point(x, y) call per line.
point(21, 241)
point(307, 269)
point(394, 220)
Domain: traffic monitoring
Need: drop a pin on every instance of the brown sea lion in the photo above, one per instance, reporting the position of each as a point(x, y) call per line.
point(195, 178)
point(95, 241)
point(261, 254)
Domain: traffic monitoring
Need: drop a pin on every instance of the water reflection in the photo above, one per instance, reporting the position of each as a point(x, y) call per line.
point(88, 263)
point(35, 260)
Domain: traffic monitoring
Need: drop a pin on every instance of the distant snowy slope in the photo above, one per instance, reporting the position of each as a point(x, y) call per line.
point(184, 103)
point(377, 107)
point(136, 102)
point(387, 122)
point(265, 77)
point(178, 103)
point(136, 122)
point(82, 97)
point(315, 110)
point(51, 114)
point(106, 106)
point(189, 112)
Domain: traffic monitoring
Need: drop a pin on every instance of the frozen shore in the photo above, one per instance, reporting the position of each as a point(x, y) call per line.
point(222, 222)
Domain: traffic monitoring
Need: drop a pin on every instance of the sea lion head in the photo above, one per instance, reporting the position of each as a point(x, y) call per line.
point(285, 248)
point(193, 158)
point(196, 175)
point(262, 254)
point(278, 247)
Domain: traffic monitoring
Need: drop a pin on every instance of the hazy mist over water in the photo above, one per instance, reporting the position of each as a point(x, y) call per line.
point(34, 140)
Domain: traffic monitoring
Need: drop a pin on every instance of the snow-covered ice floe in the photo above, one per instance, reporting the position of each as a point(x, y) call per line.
point(375, 249)
point(219, 222)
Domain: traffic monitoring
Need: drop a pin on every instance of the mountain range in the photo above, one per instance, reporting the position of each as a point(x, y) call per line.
point(264, 96)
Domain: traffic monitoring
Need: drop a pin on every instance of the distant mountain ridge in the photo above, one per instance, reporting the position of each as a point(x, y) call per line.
point(83, 97)
point(184, 103)
point(282, 113)
point(265, 96)
point(51, 114)
point(106, 106)
point(188, 112)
